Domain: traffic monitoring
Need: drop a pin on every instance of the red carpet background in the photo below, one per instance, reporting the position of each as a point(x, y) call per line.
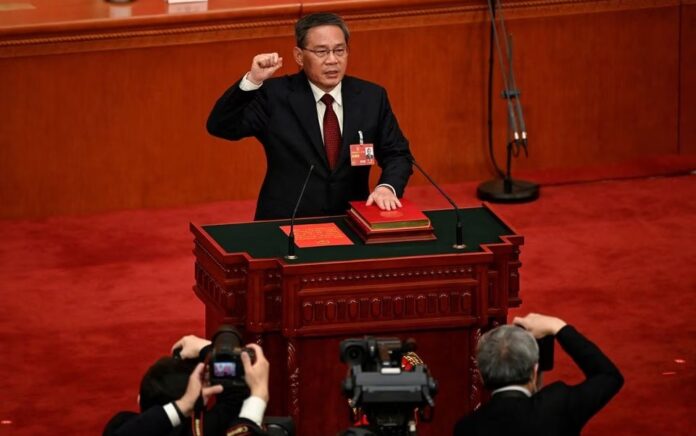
point(88, 303)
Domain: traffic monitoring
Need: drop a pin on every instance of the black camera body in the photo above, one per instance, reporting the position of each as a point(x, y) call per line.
point(225, 367)
point(377, 386)
point(374, 354)
point(225, 359)
point(546, 351)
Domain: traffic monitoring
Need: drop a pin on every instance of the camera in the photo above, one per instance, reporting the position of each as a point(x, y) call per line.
point(546, 347)
point(546, 351)
point(225, 365)
point(377, 386)
point(375, 355)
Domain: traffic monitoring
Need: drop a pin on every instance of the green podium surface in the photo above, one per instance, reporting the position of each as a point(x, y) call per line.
point(264, 239)
point(299, 310)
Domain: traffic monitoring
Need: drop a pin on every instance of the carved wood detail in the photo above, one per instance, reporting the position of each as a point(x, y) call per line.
point(514, 283)
point(231, 297)
point(493, 300)
point(229, 269)
point(475, 398)
point(430, 273)
point(531, 8)
point(97, 36)
point(294, 381)
point(328, 309)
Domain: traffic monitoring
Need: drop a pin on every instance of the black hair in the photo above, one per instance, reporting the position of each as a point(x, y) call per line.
point(315, 20)
point(165, 381)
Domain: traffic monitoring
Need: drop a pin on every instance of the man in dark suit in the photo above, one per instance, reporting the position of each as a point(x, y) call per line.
point(508, 358)
point(312, 118)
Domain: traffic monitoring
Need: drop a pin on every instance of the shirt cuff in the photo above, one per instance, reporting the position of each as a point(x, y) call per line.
point(172, 414)
point(387, 185)
point(248, 85)
point(253, 409)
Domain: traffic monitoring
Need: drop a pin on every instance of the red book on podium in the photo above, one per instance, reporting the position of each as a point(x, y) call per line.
point(374, 225)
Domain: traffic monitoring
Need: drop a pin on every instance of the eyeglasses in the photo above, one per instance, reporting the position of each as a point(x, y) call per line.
point(339, 52)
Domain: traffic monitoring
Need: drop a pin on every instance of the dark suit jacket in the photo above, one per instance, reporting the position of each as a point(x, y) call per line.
point(557, 409)
point(282, 115)
point(154, 422)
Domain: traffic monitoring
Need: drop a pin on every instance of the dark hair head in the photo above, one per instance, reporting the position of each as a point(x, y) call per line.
point(165, 381)
point(315, 20)
point(506, 356)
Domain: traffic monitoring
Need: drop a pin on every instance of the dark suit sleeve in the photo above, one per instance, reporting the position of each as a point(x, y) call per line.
point(463, 427)
point(152, 422)
point(393, 152)
point(238, 114)
point(603, 379)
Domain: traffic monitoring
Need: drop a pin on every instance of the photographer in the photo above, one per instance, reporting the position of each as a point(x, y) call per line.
point(173, 387)
point(508, 359)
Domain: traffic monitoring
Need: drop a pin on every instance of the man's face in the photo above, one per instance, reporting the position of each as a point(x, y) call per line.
point(326, 72)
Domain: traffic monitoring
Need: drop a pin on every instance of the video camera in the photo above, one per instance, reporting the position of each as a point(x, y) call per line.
point(377, 386)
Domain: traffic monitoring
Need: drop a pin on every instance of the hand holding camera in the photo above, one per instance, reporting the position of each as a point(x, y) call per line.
point(540, 325)
point(256, 371)
point(544, 329)
point(189, 347)
point(197, 387)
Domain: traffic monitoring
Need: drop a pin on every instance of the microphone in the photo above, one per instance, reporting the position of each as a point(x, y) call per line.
point(514, 93)
point(291, 237)
point(459, 244)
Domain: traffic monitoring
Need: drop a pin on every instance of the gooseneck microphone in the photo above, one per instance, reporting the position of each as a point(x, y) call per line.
point(291, 237)
point(459, 244)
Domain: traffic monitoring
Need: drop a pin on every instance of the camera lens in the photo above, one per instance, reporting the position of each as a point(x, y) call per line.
point(354, 354)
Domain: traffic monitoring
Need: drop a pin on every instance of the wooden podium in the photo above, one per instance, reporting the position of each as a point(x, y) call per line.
point(300, 310)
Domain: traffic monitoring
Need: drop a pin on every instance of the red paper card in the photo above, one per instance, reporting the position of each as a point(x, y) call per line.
point(318, 235)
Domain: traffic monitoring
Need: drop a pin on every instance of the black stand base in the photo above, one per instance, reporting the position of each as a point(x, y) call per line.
point(507, 191)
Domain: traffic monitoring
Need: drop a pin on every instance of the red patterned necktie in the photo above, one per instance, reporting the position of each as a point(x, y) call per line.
point(332, 132)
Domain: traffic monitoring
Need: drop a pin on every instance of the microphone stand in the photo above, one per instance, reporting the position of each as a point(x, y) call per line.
point(505, 189)
point(291, 237)
point(459, 238)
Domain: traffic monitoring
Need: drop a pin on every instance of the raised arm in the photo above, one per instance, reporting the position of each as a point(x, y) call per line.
point(241, 110)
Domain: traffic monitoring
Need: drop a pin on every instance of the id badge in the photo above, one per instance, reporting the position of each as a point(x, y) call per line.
point(362, 155)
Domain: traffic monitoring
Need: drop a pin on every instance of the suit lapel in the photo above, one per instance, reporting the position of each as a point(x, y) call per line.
point(352, 117)
point(302, 102)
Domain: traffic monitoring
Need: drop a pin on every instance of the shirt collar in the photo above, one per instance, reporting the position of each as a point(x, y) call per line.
point(513, 388)
point(335, 93)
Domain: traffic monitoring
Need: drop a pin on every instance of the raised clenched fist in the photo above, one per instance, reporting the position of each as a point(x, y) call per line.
point(263, 66)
